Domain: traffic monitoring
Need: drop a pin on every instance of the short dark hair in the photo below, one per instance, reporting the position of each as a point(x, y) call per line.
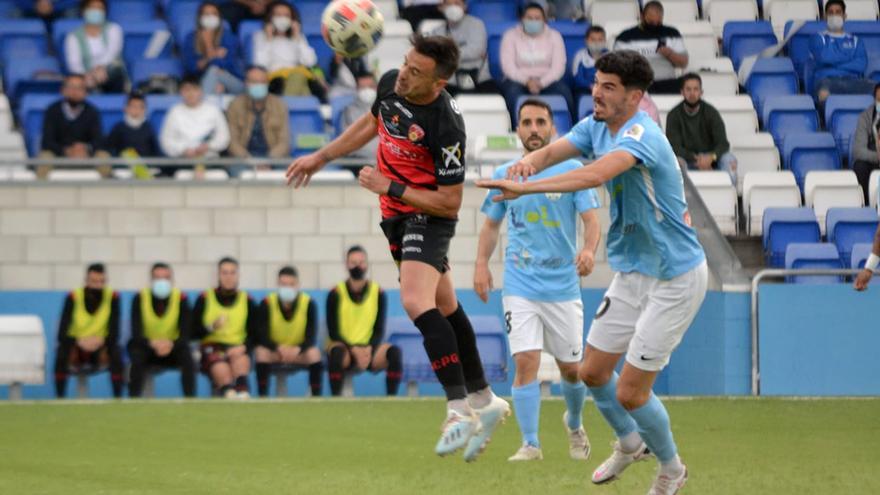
point(160, 265)
point(534, 5)
point(441, 49)
point(691, 76)
point(96, 268)
point(357, 248)
point(829, 3)
point(84, 3)
point(135, 95)
point(294, 12)
point(534, 102)
point(653, 4)
point(632, 68)
point(289, 271)
point(191, 80)
point(74, 75)
point(595, 28)
point(227, 259)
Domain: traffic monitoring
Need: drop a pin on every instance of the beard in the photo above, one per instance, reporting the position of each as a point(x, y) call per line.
point(534, 138)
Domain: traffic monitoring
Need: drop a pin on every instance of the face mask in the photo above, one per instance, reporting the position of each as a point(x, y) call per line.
point(367, 95)
point(453, 13)
point(161, 288)
point(835, 22)
point(287, 294)
point(258, 91)
point(210, 21)
point(533, 27)
point(357, 273)
point(94, 16)
point(650, 28)
point(134, 123)
point(596, 49)
point(281, 23)
point(94, 293)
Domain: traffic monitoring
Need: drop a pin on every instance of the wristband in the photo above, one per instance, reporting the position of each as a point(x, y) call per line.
point(872, 262)
point(396, 189)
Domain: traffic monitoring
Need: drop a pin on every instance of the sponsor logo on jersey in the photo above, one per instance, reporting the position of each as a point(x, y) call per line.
point(454, 105)
point(636, 132)
point(553, 196)
point(416, 133)
point(403, 109)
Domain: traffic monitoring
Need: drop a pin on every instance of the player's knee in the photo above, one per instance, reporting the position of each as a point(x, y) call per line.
point(631, 397)
point(414, 304)
point(569, 373)
point(313, 355)
point(262, 354)
point(594, 377)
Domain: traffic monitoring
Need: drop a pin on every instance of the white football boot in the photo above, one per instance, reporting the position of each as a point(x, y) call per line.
point(457, 430)
point(664, 485)
point(611, 469)
point(578, 442)
point(527, 453)
point(490, 417)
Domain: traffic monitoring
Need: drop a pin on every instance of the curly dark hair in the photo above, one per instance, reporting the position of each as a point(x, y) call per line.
point(634, 70)
point(441, 49)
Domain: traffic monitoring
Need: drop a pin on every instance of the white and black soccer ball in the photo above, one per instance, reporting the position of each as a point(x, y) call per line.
point(352, 27)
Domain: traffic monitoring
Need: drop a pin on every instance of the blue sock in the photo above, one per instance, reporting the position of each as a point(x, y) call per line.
point(653, 421)
point(614, 413)
point(527, 406)
point(574, 400)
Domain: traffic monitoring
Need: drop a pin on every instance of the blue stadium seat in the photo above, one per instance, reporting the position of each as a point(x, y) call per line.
point(310, 11)
point(304, 115)
point(246, 30)
point(798, 47)
point(803, 152)
point(869, 33)
point(585, 107)
point(561, 117)
point(137, 38)
point(493, 12)
point(32, 29)
point(111, 108)
point(743, 38)
point(60, 28)
point(846, 227)
point(816, 256)
point(158, 106)
point(337, 105)
point(322, 51)
point(495, 32)
point(143, 69)
point(125, 11)
point(573, 36)
point(30, 113)
point(783, 226)
point(21, 48)
point(8, 9)
point(873, 70)
point(771, 77)
point(783, 115)
point(491, 342)
point(860, 253)
point(181, 17)
point(842, 116)
point(40, 74)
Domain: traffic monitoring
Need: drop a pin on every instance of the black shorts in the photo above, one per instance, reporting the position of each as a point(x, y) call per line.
point(420, 237)
point(213, 354)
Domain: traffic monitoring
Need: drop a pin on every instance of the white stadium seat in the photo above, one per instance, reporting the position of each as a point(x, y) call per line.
point(719, 195)
point(210, 174)
point(393, 46)
point(699, 39)
point(483, 114)
point(718, 12)
point(388, 8)
point(762, 190)
point(738, 113)
point(778, 12)
point(604, 11)
point(675, 11)
point(754, 152)
point(719, 78)
point(824, 189)
point(497, 148)
point(873, 187)
point(62, 175)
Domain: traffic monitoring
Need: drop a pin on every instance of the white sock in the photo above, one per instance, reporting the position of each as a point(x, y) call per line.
point(630, 442)
point(460, 406)
point(672, 468)
point(480, 398)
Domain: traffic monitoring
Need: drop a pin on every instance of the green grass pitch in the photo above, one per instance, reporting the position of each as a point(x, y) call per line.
point(744, 446)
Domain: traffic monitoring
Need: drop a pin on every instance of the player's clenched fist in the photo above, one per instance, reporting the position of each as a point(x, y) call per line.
point(372, 180)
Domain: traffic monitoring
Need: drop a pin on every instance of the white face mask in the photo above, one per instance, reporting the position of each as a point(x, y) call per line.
point(287, 294)
point(367, 95)
point(453, 13)
point(209, 21)
point(133, 122)
point(281, 23)
point(835, 22)
point(877, 107)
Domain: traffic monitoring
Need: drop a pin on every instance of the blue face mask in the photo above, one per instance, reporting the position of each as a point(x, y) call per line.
point(94, 16)
point(258, 91)
point(287, 294)
point(161, 288)
point(532, 26)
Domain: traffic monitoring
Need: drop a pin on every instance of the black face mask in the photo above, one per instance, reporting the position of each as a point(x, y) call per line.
point(94, 293)
point(357, 273)
point(692, 107)
point(650, 28)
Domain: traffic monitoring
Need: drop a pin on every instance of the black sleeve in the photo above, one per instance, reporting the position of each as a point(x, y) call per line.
point(114, 140)
point(137, 323)
point(332, 323)
point(197, 330)
point(183, 320)
point(253, 325)
point(384, 89)
point(64, 323)
point(379, 326)
point(311, 325)
point(448, 146)
point(51, 141)
point(113, 330)
point(263, 337)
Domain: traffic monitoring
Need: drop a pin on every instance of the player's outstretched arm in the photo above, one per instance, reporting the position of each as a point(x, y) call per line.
point(486, 246)
point(558, 151)
point(353, 138)
point(864, 277)
point(443, 202)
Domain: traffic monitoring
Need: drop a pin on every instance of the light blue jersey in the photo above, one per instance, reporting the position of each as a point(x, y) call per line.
point(542, 238)
point(650, 229)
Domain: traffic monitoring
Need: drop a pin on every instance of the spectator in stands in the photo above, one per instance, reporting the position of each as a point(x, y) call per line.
point(583, 66)
point(569, 10)
point(662, 45)
point(416, 11)
point(193, 128)
point(533, 60)
point(343, 75)
point(366, 95)
point(696, 131)
point(840, 58)
point(865, 152)
point(282, 48)
point(225, 321)
point(134, 136)
point(288, 328)
point(258, 124)
point(240, 10)
point(88, 333)
point(47, 10)
point(72, 126)
point(95, 49)
point(211, 52)
point(160, 329)
point(356, 325)
point(469, 34)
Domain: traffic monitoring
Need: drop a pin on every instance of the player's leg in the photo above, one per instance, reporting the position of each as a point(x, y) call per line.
point(264, 358)
point(62, 366)
point(183, 358)
point(311, 357)
point(117, 375)
point(138, 355)
point(338, 360)
point(221, 376)
point(240, 365)
point(389, 358)
point(526, 393)
point(479, 393)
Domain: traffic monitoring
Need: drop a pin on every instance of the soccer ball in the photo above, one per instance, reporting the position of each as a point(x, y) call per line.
point(351, 27)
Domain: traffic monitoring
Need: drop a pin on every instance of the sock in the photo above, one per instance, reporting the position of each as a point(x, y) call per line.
point(631, 442)
point(527, 406)
point(117, 383)
point(334, 369)
point(574, 401)
point(60, 385)
point(653, 423)
point(672, 467)
point(474, 378)
point(394, 371)
point(263, 372)
point(241, 383)
point(460, 406)
point(615, 415)
point(316, 372)
point(223, 389)
point(440, 344)
point(480, 398)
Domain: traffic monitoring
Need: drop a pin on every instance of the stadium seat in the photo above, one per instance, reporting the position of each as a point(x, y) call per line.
point(41, 74)
point(246, 31)
point(337, 105)
point(721, 12)
point(780, 11)
point(31, 109)
point(32, 29)
point(744, 38)
point(828, 189)
point(798, 47)
point(146, 39)
point(803, 152)
point(738, 113)
point(497, 149)
point(483, 114)
point(304, 114)
point(573, 36)
point(211, 174)
point(60, 28)
point(842, 115)
point(493, 12)
point(719, 196)
point(158, 106)
point(849, 226)
point(699, 38)
point(15, 48)
point(389, 52)
point(585, 107)
point(869, 33)
point(873, 70)
point(813, 256)
point(859, 10)
point(771, 77)
point(125, 11)
point(604, 11)
point(860, 253)
point(783, 226)
point(8, 9)
point(762, 190)
point(754, 153)
point(717, 74)
point(111, 107)
point(143, 69)
point(310, 11)
point(679, 11)
point(783, 115)
point(495, 32)
point(561, 116)
point(181, 19)
point(873, 186)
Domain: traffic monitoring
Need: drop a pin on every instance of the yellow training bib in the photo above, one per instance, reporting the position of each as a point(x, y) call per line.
point(234, 329)
point(356, 320)
point(85, 324)
point(293, 332)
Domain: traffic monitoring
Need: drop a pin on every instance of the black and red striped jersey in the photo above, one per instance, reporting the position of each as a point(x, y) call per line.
point(421, 146)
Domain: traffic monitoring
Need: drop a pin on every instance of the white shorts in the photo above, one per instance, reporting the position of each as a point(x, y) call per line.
point(556, 327)
point(647, 317)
